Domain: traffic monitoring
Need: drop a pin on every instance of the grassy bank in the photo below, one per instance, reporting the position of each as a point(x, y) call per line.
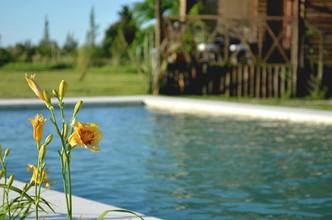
point(102, 81)
point(112, 81)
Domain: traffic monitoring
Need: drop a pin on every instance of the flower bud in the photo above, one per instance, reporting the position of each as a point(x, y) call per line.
point(1, 174)
point(38, 127)
point(7, 152)
point(47, 99)
point(62, 89)
point(10, 181)
point(64, 130)
point(48, 139)
point(42, 152)
point(78, 107)
point(55, 93)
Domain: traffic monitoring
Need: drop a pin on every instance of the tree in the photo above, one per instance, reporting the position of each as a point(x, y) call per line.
point(23, 52)
point(5, 56)
point(120, 35)
point(84, 60)
point(92, 32)
point(70, 45)
point(87, 53)
point(128, 25)
point(144, 11)
point(47, 48)
point(46, 36)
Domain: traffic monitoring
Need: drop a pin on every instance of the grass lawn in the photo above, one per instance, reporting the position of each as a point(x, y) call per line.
point(103, 81)
point(112, 81)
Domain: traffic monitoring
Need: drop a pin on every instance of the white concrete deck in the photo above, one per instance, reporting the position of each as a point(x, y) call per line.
point(83, 209)
point(193, 106)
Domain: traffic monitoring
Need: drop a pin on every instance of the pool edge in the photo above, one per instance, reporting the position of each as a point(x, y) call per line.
point(191, 106)
point(82, 208)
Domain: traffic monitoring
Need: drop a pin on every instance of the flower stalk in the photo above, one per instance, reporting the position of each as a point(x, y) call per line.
point(84, 135)
point(5, 197)
point(39, 173)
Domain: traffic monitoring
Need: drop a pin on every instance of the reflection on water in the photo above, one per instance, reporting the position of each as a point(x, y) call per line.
point(186, 167)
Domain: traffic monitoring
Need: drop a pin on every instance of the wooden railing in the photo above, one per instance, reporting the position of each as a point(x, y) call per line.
point(268, 71)
point(263, 81)
point(269, 38)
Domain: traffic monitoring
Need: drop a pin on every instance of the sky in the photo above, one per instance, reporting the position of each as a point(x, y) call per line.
point(22, 20)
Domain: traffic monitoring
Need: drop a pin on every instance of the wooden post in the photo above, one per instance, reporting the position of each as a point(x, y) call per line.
point(183, 10)
point(252, 80)
point(227, 83)
point(282, 80)
point(233, 82)
point(222, 84)
point(295, 45)
point(226, 46)
point(260, 39)
point(289, 82)
point(239, 80)
point(321, 59)
point(258, 81)
point(246, 80)
point(275, 81)
point(264, 82)
point(157, 45)
point(270, 79)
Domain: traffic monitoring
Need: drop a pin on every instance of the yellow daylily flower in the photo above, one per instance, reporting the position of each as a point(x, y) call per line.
point(34, 86)
point(86, 135)
point(38, 179)
point(40, 93)
point(38, 127)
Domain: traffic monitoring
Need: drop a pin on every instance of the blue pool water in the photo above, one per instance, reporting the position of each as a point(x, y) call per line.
point(190, 167)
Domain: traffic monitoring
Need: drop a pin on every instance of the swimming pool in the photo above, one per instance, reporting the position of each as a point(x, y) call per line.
point(177, 166)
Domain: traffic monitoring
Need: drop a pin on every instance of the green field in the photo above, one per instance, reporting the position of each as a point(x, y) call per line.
point(101, 81)
point(111, 81)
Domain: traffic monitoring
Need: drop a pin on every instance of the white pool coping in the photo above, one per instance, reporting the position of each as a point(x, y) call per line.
point(194, 106)
point(83, 209)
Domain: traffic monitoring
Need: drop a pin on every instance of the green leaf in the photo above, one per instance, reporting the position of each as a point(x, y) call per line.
point(102, 216)
point(27, 196)
point(15, 189)
point(47, 204)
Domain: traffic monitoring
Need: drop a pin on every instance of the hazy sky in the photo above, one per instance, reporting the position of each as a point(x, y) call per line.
point(22, 20)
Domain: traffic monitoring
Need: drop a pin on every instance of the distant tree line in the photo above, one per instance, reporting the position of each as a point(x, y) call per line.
point(122, 41)
point(47, 50)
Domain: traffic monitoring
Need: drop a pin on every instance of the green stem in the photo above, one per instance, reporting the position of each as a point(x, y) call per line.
point(36, 197)
point(37, 192)
point(69, 184)
point(5, 181)
point(62, 113)
point(67, 162)
point(64, 179)
point(5, 198)
point(66, 183)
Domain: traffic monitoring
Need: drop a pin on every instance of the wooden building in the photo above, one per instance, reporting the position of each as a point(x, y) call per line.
point(288, 47)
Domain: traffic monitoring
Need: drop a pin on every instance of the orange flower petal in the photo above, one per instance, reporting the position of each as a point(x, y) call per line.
point(86, 135)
